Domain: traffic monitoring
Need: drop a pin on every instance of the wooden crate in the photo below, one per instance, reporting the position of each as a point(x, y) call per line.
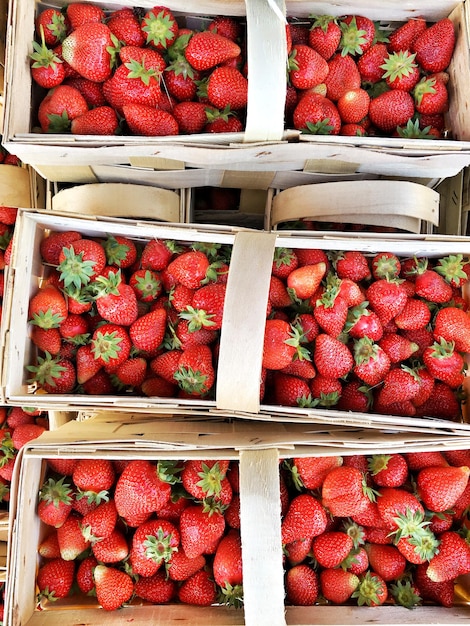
point(258, 448)
point(242, 337)
point(265, 144)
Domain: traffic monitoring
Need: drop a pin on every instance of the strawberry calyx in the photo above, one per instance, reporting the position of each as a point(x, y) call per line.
point(158, 547)
point(176, 50)
point(325, 399)
point(425, 544)
point(47, 319)
point(369, 589)
point(113, 51)
point(212, 505)
point(322, 21)
point(357, 534)
point(58, 123)
point(139, 71)
point(56, 492)
point(296, 338)
point(197, 318)
point(4, 492)
point(231, 595)
point(74, 271)
point(159, 28)
point(211, 479)
point(405, 594)
point(451, 267)
point(294, 474)
point(399, 65)
point(214, 271)
point(115, 252)
point(106, 346)
point(364, 350)
point(409, 524)
point(425, 86)
point(148, 285)
point(369, 491)
point(378, 462)
point(167, 471)
point(42, 55)
point(412, 130)
point(192, 381)
point(322, 127)
point(92, 497)
point(181, 67)
point(442, 349)
point(7, 449)
point(107, 285)
point(47, 371)
point(352, 38)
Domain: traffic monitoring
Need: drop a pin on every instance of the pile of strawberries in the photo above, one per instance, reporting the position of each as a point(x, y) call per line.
point(138, 72)
point(155, 531)
point(376, 528)
point(348, 76)
point(343, 329)
point(132, 71)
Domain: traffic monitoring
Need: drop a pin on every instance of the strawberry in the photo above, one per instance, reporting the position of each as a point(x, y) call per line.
point(304, 281)
point(195, 373)
point(403, 37)
point(226, 26)
point(62, 466)
point(227, 87)
point(452, 559)
point(371, 361)
point(160, 27)
point(132, 372)
point(60, 106)
point(281, 343)
point(47, 69)
point(180, 566)
point(153, 543)
point(46, 339)
point(112, 549)
point(353, 105)
point(442, 403)
point(343, 75)
point(453, 325)
point(101, 120)
point(310, 472)
point(200, 529)
point(55, 502)
point(116, 301)
point(435, 45)
point(24, 433)
point(444, 363)
point(146, 285)
point(370, 63)
point(400, 70)
point(207, 307)
point(324, 35)
point(147, 332)
point(93, 476)
point(207, 49)
point(397, 347)
point(204, 479)
point(54, 375)
point(440, 592)
point(198, 589)
point(316, 114)
point(344, 492)
point(125, 26)
point(394, 505)
point(53, 26)
point(415, 315)
point(372, 590)
point(307, 68)
point(363, 322)
point(157, 589)
point(84, 575)
point(79, 263)
point(227, 567)
point(387, 298)
point(331, 311)
point(224, 121)
point(357, 34)
point(111, 345)
point(79, 13)
point(337, 585)
point(100, 522)
point(388, 470)
point(305, 517)
point(391, 109)
point(55, 578)
point(326, 391)
point(47, 308)
point(156, 254)
point(49, 547)
point(70, 538)
point(302, 585)
point(331, 548)
point(354, 397)
point(430, 285)
point(190, 268)
point(431, 96)
point(87, 50)
point(113, 587)
point(190, 116)
point(145, 120)
point(386, 561)
point(440, 487)
point(331, 357)
point(139, 491)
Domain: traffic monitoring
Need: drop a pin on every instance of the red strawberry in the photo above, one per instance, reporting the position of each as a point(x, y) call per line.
point(156, 255)
point(324, 35)
point(302, 585)
point(386, 298)
point(431, 96)
point(391, 109)
point(388, 470)
point(331, 548)
point(227, 87)
point(331, 357)
point(397, 347)
point(225, 26)
point(338, 585)
point(304, 281)
point(307, 68)
point(404, 36)
point(440, 592)
point(452, 559)
point(53, 23)
point(353, 105)
point(139, 491)
point(316, 114)
point(112, 549)
point(372, 361)
point(47, 308)
point(393, 503)
point(153, 543)
point(47, 339)
point(305, 517)
point(79, 13)
point(47, 69)
point(157, 589)
point(198, 589)
point(400, 70)
point(207, 49)
point(190, 268)
point(55, 578)
point(195, 374)
point(161, 27)
point(24, 433)
point(435, 45)
point(111, 345)
point(440, 487)
point(87, 50)
point(331, 311)
point(190, 116)
point(147, 331)
point(227, 565)
point(445, 363)
point(55, 502)
point(280, 344)
point(146, 120)
point(125, 26)
point(49, 547)
point(372, 590)
point(354, 397)
point(101, 120)
point(310, 472)
point(357, 34)
point(370, 63)
point(386, 561)
point(343, 76)
point(200, 529)
point(113, 587)
point(99, 523)
point(60, 106)
point(453, 325)
point(70, 538)
point(93, 475)
point(54, 375)
point(80, 262)
point(344, 492)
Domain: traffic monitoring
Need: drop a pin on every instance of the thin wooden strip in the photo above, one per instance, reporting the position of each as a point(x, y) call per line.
point(348, 198)
point(15, 186)
point(260, 527)
point(119, 200)
point(266, 40)
point(242, 335)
